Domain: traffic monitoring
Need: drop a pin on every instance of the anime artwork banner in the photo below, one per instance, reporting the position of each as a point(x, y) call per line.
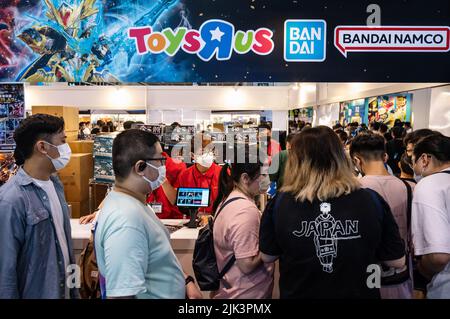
point(153, 41)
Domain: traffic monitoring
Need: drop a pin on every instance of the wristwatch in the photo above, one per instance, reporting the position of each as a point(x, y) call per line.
point(189, 279)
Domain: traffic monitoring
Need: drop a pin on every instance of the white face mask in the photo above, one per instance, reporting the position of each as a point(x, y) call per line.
point(64, 156)
point(264, 184)
point(418, 177)
point(161, 177)
point(205, 160)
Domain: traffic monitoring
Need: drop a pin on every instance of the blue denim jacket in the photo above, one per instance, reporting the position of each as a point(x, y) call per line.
point(31, 259)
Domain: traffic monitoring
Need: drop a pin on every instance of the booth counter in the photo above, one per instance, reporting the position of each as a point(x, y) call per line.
point(182, 241)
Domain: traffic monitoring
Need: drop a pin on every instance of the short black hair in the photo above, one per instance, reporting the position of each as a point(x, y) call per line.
point(265, 126)
point(337, 126)
point(343, 136)
point(416, 136)
point(405, 164)
point(407, 124)
point(369, 146)
point(383, 128)
point(436, 145)
point(127, 125)
point(32, 129)
point(375, 126)
point(175, 124)
point(397, 131)
point(100, 123)
point(129, 147)
point(398, 122)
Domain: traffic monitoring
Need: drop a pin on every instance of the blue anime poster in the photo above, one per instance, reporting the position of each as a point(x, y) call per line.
point(129, 41)
point(352, 111)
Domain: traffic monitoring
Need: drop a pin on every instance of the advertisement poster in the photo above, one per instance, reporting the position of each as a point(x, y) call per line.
point(12, 111)
point(305, 115)
point(352, 111)
point(179, 41)
point(388, 108)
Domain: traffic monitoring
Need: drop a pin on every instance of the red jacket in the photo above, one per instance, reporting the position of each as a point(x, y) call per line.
point(193, 178)
point(273, 148)
point(169, 211)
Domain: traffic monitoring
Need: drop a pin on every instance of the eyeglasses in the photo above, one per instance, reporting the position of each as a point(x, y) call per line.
point(416, 159)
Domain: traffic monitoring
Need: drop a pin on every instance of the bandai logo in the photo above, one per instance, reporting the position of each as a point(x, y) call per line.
point(305, 40)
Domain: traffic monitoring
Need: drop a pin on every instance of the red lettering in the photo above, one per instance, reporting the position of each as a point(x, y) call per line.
point(263, 42)
point(139, 34)
point(191, 42)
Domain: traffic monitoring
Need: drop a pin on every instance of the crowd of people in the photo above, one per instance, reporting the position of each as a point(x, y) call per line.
point(350, 201)
point(86, 130)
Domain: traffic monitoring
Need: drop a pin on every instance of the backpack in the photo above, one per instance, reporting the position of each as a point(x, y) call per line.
point(90, 277)
point(204, 258)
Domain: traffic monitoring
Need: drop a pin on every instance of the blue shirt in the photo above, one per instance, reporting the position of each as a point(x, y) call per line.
point(31, 259)
point(133, 251)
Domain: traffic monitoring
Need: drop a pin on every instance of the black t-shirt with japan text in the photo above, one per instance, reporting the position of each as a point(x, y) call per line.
point(325, 248)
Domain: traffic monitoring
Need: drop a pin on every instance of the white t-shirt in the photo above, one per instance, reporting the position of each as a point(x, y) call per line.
point(58, 218)
point(431, 215)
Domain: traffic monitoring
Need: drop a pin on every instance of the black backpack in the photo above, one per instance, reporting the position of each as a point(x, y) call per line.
point(204, 262)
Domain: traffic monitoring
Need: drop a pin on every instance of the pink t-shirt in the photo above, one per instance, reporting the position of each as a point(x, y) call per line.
point(236, 231)
point(394, 192)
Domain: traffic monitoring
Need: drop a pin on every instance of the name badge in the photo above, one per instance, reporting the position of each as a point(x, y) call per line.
point(157, 207)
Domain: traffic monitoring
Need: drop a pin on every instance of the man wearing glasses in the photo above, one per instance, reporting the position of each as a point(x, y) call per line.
point(431, 212)
point(162, 206)
point(132, 246)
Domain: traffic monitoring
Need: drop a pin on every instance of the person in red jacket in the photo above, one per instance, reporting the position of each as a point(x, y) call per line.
point(203, 174)
point(265, 136)
point(163, 208)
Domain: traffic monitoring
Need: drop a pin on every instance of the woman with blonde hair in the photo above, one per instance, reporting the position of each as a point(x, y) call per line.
point(328, 233)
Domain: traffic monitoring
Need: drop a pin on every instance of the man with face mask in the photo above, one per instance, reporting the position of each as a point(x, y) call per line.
point(431, 212)
point(203, 174)
point(132, 246)
point(367, 151)
point(35, 245)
